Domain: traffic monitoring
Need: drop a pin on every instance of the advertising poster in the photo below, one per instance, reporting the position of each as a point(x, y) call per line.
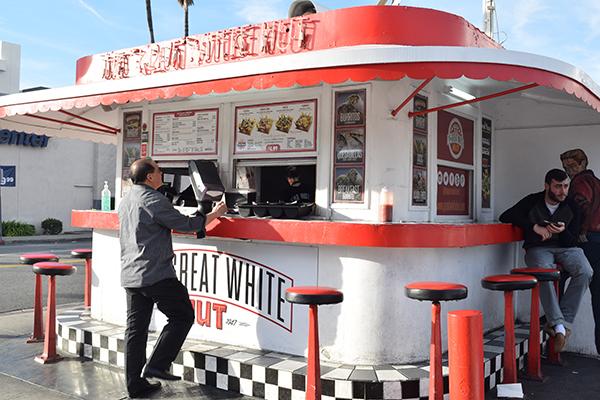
point(455, 138)
point(453, 191)
point(350, 145)
point(187, 132)
point(486, 162)
point(420, 121)
point(277, 127)
point(350, 108)
point(419, 150)
point(131, 152)
point(419, 186)
point(132, 125)
point(349, 184)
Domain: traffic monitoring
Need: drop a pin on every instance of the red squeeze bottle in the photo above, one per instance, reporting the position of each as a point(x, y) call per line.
point(386, 205)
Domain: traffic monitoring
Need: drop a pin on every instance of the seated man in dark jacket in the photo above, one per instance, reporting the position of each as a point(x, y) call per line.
point(551, 226)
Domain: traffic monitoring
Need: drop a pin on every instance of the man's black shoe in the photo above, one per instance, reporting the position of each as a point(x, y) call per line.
point(160, 374)
point(145, 389)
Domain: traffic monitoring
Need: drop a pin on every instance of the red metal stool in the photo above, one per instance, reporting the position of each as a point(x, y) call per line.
point(38, 317)
point(313, 296)
point(559, 285)
point(52, 269)
point(534, 365)
point(87, 255)
point(508, 284)
point(435, 292)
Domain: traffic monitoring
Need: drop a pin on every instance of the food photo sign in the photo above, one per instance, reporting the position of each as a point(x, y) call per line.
point(276, 127)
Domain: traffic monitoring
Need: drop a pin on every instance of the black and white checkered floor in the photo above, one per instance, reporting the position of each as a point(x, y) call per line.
point(272, 375)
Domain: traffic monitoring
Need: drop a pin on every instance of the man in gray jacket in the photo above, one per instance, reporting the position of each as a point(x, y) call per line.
point(146, 219)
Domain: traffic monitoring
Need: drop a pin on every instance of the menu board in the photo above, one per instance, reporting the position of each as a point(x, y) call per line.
point(453, 193)
point(185, 132)
point(420, 151)
point(276, 127)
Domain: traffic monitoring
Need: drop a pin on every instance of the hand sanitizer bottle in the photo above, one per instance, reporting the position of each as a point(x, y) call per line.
point(105, 197)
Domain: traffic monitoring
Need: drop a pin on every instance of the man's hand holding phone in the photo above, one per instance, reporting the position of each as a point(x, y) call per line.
point(555, 227)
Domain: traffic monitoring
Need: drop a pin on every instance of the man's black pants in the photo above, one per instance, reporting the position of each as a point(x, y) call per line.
point(172, 299)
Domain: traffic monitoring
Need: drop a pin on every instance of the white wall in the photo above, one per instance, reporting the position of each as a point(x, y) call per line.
point(523, 156)
point(52, 181)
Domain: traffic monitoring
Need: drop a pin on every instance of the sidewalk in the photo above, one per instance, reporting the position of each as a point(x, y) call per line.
point(63, 237)
point(74, 378)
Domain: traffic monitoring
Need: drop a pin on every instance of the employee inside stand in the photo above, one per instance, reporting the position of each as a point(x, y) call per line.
point(296, 191)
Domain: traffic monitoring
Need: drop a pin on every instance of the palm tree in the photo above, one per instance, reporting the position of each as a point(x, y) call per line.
point(149, 16)
point(185, 4)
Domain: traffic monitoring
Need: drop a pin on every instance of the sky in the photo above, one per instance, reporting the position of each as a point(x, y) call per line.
point(54, 34)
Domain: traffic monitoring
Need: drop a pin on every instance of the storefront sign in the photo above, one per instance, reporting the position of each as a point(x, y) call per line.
point(455, 138)
point(23, 139)
point(222, 285)
point(453, 193)
point(189, 132)
point(8, 176)
point(486, 162)
point(250, 41)
point(276, 128)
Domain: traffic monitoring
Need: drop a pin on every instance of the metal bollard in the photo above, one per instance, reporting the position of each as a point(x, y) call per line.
point(465, 355)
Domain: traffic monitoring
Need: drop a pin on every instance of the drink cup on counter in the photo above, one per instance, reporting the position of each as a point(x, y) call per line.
point(386, 205)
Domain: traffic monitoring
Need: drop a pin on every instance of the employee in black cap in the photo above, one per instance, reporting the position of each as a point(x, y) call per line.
point(296, 191)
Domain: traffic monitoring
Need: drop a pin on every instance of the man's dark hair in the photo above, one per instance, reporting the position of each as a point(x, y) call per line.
point(555, 174)
point(140, 169)
point(292, 172)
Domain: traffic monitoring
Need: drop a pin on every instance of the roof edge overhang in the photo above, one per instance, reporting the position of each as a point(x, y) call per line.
point(333, 66)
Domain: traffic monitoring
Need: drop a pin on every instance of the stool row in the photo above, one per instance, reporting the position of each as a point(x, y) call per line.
point(48, 264)
point(519, 279)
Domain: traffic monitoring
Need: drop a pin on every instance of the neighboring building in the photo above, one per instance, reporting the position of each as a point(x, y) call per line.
point(46, 177)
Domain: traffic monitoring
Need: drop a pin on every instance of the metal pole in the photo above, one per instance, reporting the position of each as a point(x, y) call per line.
point(1, 179)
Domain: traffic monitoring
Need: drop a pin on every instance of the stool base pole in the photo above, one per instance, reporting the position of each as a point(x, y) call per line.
point(313, 373)
point(534, 366)
point(465, 355)
point(436, 382)
point(87, 295)
point(50, 354)
point(510, 361)
point(38, 313)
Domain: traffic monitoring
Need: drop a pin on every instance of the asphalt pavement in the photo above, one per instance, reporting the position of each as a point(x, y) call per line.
point(17, 280)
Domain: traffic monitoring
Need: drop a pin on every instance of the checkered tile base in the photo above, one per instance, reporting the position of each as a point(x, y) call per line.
point(272, 375)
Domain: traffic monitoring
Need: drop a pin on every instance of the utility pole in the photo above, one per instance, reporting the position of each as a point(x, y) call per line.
point(489, 17)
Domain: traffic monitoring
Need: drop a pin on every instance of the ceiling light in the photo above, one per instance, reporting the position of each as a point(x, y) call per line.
point(460, 94)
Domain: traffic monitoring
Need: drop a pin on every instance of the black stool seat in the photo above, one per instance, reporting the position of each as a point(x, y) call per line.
point(32, 258)
point(82, 253)
point(435, 291)
point(51, 268)
point(313, 295)
point(541, 274)
point(509, 282)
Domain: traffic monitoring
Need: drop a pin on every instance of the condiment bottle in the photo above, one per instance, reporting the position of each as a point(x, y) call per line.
point(386, 205)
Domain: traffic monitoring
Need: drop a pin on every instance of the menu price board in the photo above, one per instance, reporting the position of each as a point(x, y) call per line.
point(349, 184)
point(453, 191)
point(486, 162)
point(276, 127)
point(186, 132)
